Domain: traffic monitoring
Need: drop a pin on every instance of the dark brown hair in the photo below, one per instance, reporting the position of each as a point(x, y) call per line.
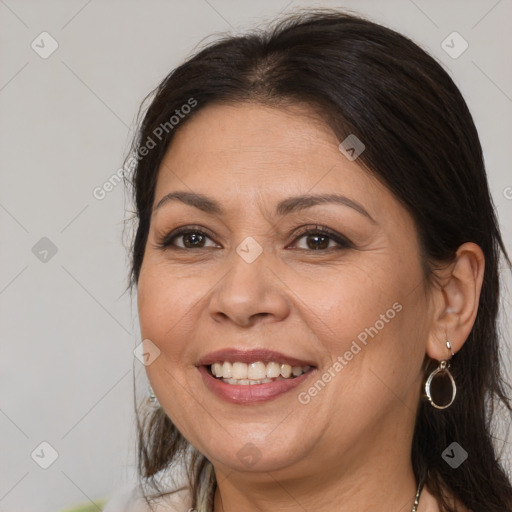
point(421, 143)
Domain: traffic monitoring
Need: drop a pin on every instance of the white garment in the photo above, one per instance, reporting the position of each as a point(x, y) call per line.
point(130, 498)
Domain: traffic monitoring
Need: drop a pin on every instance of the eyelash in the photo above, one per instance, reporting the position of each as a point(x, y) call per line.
point(166, 241)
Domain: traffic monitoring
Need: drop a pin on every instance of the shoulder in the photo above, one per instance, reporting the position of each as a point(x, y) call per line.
point(130, 498)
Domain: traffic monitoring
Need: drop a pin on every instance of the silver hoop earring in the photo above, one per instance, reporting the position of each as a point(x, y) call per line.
point(441, 371)
point(152, 400)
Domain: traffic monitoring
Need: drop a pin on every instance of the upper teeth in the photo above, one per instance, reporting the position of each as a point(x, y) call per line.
point(256, 371)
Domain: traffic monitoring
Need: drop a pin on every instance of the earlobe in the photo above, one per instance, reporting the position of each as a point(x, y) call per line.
point(458, 302)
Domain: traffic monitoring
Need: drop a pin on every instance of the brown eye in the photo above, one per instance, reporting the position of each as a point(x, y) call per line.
point(188, 238)
point(322, 239)
point(317, 241)
point(193, 239)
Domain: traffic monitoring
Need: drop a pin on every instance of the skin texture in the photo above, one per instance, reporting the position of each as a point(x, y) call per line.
point(349, 447)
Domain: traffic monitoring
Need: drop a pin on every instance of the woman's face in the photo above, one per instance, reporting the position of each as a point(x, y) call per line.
point(351, 304)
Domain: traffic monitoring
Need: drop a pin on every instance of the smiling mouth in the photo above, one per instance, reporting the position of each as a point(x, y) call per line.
point(239, 373)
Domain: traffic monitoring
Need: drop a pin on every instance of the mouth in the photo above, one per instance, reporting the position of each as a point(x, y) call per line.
point(245, 377)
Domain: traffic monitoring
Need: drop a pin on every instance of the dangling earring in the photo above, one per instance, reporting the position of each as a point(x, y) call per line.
point(152, 400)
point(441, 371)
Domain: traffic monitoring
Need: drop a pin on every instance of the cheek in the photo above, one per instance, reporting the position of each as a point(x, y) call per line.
point(166, 309)
point(171, 307)
point(351, 301)
point(161, 303)
point(371, 314)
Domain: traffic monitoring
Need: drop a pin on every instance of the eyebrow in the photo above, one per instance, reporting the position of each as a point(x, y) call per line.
point(284, 207)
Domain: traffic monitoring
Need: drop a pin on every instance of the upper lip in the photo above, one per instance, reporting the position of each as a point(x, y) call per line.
point(251, 356)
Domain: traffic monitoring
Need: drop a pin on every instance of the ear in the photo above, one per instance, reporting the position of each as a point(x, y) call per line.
point(456, 302)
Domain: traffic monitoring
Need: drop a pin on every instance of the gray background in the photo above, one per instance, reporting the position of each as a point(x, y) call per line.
point(68, 330)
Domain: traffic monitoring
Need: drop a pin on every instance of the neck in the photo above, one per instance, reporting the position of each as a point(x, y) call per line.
point(384, 482)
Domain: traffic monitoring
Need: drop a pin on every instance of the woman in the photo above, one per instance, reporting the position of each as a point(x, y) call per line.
point(316, 262)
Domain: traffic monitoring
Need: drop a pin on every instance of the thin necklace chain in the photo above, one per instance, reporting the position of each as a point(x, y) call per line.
point(417, 499)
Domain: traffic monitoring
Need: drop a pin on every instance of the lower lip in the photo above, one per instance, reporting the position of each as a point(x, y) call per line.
point(250, 393)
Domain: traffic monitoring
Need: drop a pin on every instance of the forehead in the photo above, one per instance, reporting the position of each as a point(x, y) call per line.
point(248, 145)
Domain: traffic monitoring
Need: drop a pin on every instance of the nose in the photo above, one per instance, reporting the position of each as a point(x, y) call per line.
point(249, 292)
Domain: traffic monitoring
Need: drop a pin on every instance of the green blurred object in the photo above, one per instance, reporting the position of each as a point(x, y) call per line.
point(91, 507)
